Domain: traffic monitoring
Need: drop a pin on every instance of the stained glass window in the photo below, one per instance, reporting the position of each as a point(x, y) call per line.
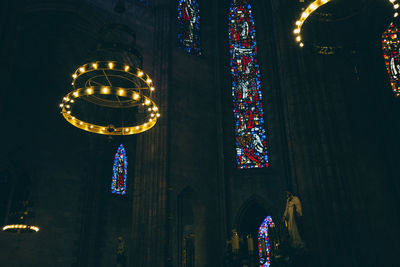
point(189, 26)
point(391, 49)
point(263, 242)
point(250, 136)
point(120, 168)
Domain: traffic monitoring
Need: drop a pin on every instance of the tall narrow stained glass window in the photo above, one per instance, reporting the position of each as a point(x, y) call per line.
point(120, 169)
point(263, 242)
point(250, 136)
point(189, 26)
point(391, 49)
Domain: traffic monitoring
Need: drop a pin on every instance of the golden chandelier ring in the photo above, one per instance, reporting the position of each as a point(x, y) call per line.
point(87, 86)
point(19, 227)
point(314, 6)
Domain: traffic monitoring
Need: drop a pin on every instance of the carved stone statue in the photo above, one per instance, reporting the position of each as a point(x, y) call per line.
point(293, 208)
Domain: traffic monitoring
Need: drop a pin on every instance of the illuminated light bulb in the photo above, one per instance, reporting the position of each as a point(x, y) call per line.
point(152, 114)
point(145, 124)
point(111, 65)
point(298, 23)
point(67, 99)
point(149, 109)
point(147, 102)
point(150, 120)
point(126, 68)
point(298, 38)
point(64, 98)
point(304, 15)
point(72, 101)
point(103, 129)
point(75, 94)
point(301, 44)
point(152, 88)
point(80, 123)
point(82, 69)
point(73, 117)
point(140, 73)
point(155, 108)
point(395, 15)
point(158, 115)
point(137, 127)
point(391, 1)
point(89, 91)
point(148, 80)
point(61, 105)
point(69, 112)
point(91, 126)
point(126, 130)
point(136, 96)
point(313, 7)
point(396, 6)
point(105, 90)
point(74, 75)
point(67, 106)
point(296, 31)
point(121, 92)
point(94, 65)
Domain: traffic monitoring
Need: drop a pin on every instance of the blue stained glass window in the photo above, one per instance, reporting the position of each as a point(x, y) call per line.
point(120, 169)
point(250, 135)
point(189, 26)
point(263, 242)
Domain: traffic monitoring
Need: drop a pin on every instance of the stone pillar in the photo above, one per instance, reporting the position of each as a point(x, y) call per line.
point(149, 230)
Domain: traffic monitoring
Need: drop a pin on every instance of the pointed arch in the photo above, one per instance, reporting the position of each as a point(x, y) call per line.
point(391, 55)
point(189, 26)
point(250, 135)
point(120, 171)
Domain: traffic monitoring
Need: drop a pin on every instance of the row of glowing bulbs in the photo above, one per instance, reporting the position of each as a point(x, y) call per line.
point(21, 226)
point(395, 6)
point(153, 110)
point(111, 66)
point(314, 6)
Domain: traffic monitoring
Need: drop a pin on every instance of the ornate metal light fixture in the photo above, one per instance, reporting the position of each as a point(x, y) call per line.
point(17, 219)
point(112, 85)
point(314, 5)
point(303, 17)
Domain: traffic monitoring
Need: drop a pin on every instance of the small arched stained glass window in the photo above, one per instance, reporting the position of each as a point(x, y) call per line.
point(391, 49)
point(263, 242)
point(189, 26)
point(250, 135)
point(120, 170)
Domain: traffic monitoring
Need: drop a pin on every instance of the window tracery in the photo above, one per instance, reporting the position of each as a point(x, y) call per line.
point(391, 55)
point(263, 242)
point(120, 169)
point(250, 135)
point(189, 26)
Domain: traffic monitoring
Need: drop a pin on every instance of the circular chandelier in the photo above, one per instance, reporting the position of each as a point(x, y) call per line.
point(303, 17)
point(20, 228)
point(114, 89)
point(313, 6)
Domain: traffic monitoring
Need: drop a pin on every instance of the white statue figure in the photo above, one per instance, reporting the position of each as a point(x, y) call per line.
point(258, 144)
point(292, 203)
